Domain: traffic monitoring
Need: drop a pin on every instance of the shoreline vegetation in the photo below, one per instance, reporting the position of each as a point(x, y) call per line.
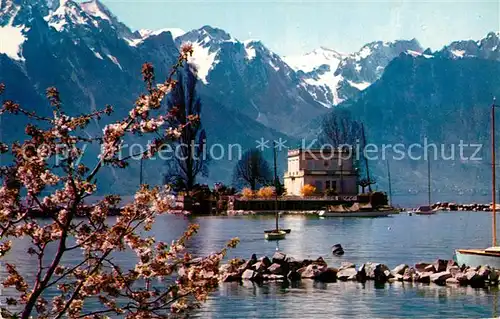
point(281, 267)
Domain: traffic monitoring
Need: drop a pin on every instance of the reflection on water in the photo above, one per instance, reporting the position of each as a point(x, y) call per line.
point(392, 240)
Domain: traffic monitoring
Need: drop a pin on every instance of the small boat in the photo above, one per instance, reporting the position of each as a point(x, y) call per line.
point(425, 210)
point(327, 213)
point(489, 256)
point(288, 231)
point(275, 235)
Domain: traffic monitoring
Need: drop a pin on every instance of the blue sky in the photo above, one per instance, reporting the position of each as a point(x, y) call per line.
point(296, 27)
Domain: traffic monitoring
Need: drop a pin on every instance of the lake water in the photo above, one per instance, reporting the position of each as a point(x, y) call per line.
point(391, 240)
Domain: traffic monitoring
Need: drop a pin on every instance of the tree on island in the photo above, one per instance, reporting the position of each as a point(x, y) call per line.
point(252, 170)
point(166, 280)
point(190, 158)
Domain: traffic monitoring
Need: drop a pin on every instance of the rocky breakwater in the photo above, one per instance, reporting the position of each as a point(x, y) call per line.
point(284, 268)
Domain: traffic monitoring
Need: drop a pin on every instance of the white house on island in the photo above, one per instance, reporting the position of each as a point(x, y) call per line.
point(324, 169)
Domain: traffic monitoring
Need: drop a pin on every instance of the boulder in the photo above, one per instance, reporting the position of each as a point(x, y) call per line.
point(454, 270)
point(409, 274)
point(347, 274)
point(279, 258)
point(226, 268)
point(251, 275)
point(494, 276)
point(293, 275)
point(440, 277)
point(430, 268)
point(400, 270)
point(329, 275)
point(337, 250)
point(259, 267)
point(398, 277)
point(312, 271)
point(461, 278)
point(450, 264)
point(346, 264)
point(424, 277)
point(484, 272)
point(472, 277)
point(375, 271)
point(248, 264)
point(388, 274)
point(361, 275)
point(440, 265)
point(230, 277)
point(320, 261)
point(265, 261)
point(306, 262)
point(452, 281)
point(276, 277)
point(275, 269)
point(420, 267)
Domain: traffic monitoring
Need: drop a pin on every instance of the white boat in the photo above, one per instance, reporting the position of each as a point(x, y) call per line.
point(489, 256)
point(275, 235)
point(425, 210)
point(326, 213)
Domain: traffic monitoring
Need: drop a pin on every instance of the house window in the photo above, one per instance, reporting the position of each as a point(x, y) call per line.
point(327, 184)
point(334, 184)
point(318, 185)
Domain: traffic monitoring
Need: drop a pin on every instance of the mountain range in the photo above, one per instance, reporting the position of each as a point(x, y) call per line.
point(248, 91)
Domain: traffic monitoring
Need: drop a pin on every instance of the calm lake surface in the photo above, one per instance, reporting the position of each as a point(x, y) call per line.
point(391, 240)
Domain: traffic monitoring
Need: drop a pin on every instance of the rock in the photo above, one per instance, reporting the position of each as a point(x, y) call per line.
point(398, 277)
point(306, 262)
point(461, 278)
point(452, 281)
point(493, 276)
point(440, 277)
point(265, 261)
point(400, 270)
point(329, 275)
point(346, 274)
point(430, 268)
point(454, 270)
point(312, 271)
point(420, 267)
point(337, 250)
point(259, 267)
point(388, 274)
point(484, 272)
point(251, 275)
point(450, 264)
point(230, 277)
point(293, 275)
point(424, 277)
point(440, 265)
point(279, 258)
point(376, 271)
point(346, 264)
point(248, 264)
point(472, 276)
point(275, 269)
point(409, 274)
point(320, 261)
point(226, 268)
point(361, 275)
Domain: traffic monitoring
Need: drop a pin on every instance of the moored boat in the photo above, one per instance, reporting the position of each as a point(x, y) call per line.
point(275, 235)
point(424, 210)
point(489, 256)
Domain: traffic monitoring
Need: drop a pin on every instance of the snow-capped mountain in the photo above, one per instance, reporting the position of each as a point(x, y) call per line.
point(331, 77)
point(486, 48)
point(248, 77)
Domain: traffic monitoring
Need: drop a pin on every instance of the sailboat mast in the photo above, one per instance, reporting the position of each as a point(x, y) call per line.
point(389, 178)
point(366, 160)
point(275, 186)
point(493, 168)
point(429, 180)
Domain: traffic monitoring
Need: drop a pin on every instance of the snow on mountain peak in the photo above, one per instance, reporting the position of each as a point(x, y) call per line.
point(13, 38)
point(67, 13)
point(94, 9)
point(314, 59)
